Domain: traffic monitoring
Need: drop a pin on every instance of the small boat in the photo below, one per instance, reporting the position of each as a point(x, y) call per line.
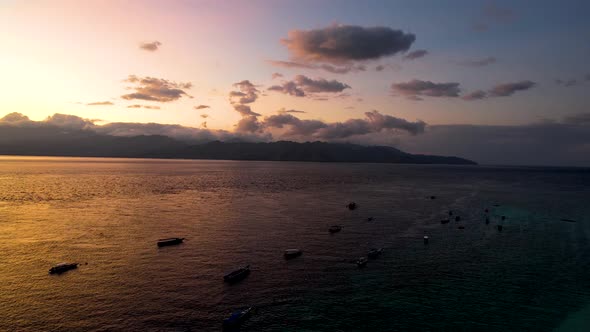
point(499, 228)
point(170, 241)
point(62, 267)
point(487, 221)
point(237, 275)
point(351, 205)
point(444, 221)
point(486, 210)
point(292, 253)
point(370, 219)
point(235, 319)
point(450, 213)
point(461, 227)
point(503, 217)
point(568, 220)
point(374, 253)
point(335, 229)
point(361, 262)
point(432, 197)
point(457, 218)
point(425, 239)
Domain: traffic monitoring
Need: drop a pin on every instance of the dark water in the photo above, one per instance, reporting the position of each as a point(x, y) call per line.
point(534, 275)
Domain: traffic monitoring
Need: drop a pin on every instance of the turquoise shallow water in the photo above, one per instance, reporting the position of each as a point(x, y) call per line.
point(534, 275)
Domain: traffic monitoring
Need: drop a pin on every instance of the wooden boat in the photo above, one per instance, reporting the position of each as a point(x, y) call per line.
point(374, 253)
point(335, 229)
point(170, 241)
point(292, 253)
point(237, 275)
point(62, 267)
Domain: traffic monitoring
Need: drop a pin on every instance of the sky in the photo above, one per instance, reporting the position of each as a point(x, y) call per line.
point(504, 82)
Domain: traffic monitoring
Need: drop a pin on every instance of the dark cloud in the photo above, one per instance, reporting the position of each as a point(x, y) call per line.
point(204, 116)
point(276, 75)
point(134, 106)
point(567, 83)
point(247, 94)
point(302, 85)
point(416, 88)
point(289, 88)
point(387, 66)
point(475, 95)
point(200, 107)
point(151, 46)
point(156, 89)
point(374, 123)
point(100, 103)
point(249, 124)
point(478, 62)
point(339, 44)
point(245, 110)
point(508, 89)
point(342, 69)
point(416, 54)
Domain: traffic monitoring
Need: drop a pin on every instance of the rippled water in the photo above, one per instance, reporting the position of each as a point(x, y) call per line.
point(535, 275)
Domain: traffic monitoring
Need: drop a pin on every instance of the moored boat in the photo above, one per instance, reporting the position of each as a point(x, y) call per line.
point(292, 253)
point(444, 221)
point(237, 275)
point(361, 262)
point(236, 318)
point(170, 241)
point(351, 205)
point(335, 229)
point(62, 267)
point(374, 253)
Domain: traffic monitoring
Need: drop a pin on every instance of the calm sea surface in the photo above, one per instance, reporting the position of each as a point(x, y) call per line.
point(108, 213)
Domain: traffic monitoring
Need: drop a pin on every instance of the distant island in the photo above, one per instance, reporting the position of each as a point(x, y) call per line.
point(55, 141)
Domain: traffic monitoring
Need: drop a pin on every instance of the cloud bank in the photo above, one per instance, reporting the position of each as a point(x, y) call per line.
point(563, 142)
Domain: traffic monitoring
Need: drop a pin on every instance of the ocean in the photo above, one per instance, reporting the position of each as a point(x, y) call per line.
point(107, 214)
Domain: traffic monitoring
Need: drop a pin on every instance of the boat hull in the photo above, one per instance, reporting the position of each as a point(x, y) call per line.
point(237, 275)
point(170, 242)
